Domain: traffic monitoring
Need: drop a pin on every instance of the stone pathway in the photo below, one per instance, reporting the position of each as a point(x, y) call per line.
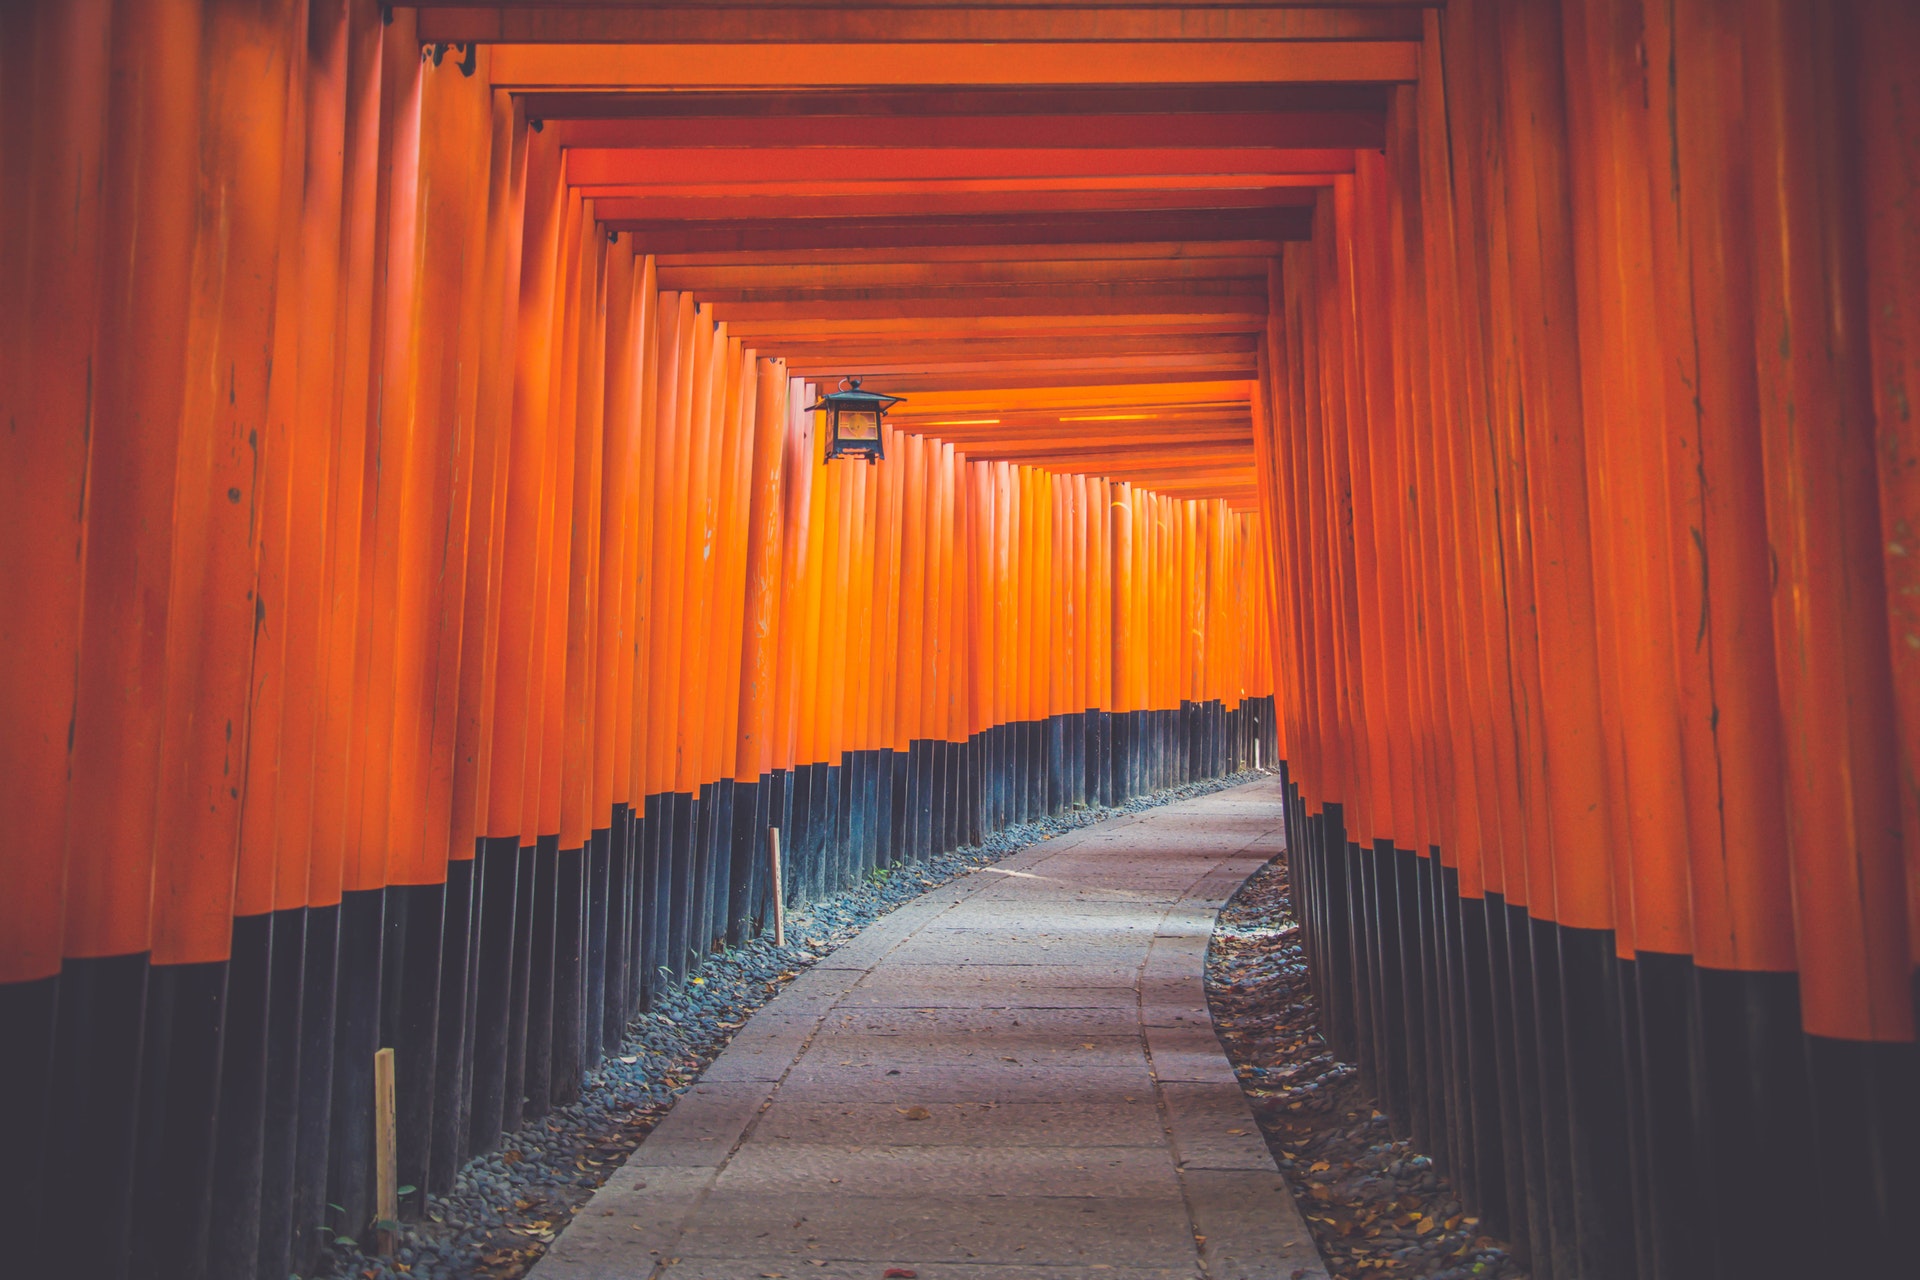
point(1013, 1077)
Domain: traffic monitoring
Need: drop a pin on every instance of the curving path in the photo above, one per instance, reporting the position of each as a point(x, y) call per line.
point(1012, 1076)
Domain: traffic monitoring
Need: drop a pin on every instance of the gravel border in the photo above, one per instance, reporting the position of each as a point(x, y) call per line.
point(507, 1206)
point(1374, 1204)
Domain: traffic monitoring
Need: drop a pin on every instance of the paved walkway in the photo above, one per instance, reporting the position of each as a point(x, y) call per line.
point(1013, 1077)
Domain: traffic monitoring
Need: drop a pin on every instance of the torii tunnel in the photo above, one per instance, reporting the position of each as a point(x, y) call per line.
point(422, 586)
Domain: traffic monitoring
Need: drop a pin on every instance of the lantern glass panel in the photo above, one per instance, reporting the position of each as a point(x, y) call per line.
point(859, 424)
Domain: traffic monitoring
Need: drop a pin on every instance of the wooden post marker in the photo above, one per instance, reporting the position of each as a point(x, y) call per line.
point(779, 890)
point(386, 1185)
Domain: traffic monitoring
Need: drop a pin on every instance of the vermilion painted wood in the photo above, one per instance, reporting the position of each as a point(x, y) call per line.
point(1033, 199)
point(815, 121)
point(340, 858)
point(537, 22)
point(771, 168)
point(138, 369)
point(530, 67)
point(1832, 660)
point(1883, 39)
point(211, 622)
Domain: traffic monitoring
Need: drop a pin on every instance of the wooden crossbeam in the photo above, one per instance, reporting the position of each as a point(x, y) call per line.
point(1325, 127)
point(721, 282)
point(652, 68)
point(680, 24)
point(769, 166)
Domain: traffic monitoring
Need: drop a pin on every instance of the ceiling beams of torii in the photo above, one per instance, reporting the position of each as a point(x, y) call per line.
point(1046, 223)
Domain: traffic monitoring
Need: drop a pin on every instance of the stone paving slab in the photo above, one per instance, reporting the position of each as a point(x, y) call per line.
point(830, 1269)
point(1014, 1077)
point(1129, 1119)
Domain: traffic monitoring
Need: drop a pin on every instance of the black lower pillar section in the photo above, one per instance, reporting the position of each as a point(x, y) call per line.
point(536, 1072)
point(682, 924)
point(719, 896)
point(1591, 1024)
point(1055, 783)
point(1514, 1213)
point(1672, 1197)
point(938, 797)
point(618, 1001)
point(285, 1003)
point(452, 1080)
point(700, 912)
point(26, 1072)
point(411, 1019)
point(1560, 1247)
point(519, 1009)
point(1864, 1116)
point(796, 838)
point(618, 979)
point(1751, 1107)
point(743, 878)
point(356, 1038)
point(234, 1242)
point(578, 968)
point(179, 1096)
point(656, 882)
point(91, 1112)
point(319, 1008)
point(499, 871)
point(591, 960)
point(854, 814)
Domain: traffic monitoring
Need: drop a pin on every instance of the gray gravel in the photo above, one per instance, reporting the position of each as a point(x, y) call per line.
point(506, 1206)
point(1373, 1202)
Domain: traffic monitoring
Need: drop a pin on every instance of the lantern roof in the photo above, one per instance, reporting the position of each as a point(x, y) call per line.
point(854, 398)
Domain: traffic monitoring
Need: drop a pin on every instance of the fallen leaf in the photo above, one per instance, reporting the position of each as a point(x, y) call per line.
point(1236, 1131)
point(901, 1273)
point(915, 1113)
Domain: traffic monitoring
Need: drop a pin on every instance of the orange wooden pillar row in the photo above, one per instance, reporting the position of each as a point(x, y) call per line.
point(137, 368)
point(1830, 605)
point(765, 532)
point(1883, 38)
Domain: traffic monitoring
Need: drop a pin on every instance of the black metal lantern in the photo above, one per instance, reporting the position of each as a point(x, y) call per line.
point(853, 420)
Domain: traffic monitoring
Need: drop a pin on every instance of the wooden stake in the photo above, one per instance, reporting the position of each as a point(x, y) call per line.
point(386, 1185)
point(779, 891)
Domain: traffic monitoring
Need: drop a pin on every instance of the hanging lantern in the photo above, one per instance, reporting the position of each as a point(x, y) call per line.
point(853, 420)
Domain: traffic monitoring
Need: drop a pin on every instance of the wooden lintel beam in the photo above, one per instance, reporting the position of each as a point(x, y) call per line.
point(1063, 437)
point(1072, 399)
point(684, 23)
point(948, 346)
point(1037, 231)
point(1120, 466)
point(1015, 381)
point(625, 213)
point(850, 255)
point(812, 108)
point(773, 330)
point(1187, 188)
point(1224, 293)
point(1073, 366)
point(664, 67)
point(716, 280)
point(667, 167)
point(1334, 126)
